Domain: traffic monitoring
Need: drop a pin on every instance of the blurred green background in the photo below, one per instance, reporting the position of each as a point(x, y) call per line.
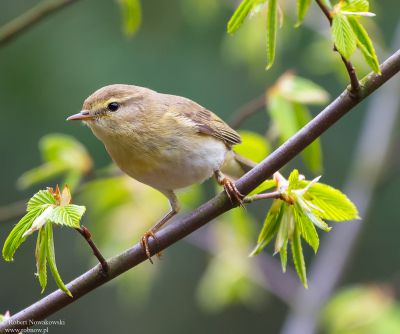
point(181, 48)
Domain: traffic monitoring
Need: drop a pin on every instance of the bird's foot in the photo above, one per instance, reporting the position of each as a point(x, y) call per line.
point(144, 243)
point(234, 195)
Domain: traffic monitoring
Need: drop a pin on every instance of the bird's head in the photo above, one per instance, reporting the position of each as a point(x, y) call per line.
point(112, 106)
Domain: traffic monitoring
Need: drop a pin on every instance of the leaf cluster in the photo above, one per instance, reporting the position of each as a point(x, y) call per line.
point(45, 208)
point(302, 206)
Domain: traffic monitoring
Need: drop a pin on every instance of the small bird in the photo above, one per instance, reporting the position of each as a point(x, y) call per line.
point(165, 141)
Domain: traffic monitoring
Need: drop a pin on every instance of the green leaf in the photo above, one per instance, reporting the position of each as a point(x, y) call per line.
point(284, 226)
point(15, 239)
point(302, 8)
point(42, 173)
point(297, 89)
point(298, 257)
point(266, 185)
point(293, 179)
point(333, 204)
point(52, 259)
point(283, 255)
point(60, 153)
point(365, 45)
point(69, 215)
point(343, 35)
point(355, 6)
point(132, 16)
point(41, 200)
point(240, 15)
point(272, 27)
point(306, 227)
point(41, 258)
point(282, 114)
point(312, 154)
point(254, 146)
point(270, 227)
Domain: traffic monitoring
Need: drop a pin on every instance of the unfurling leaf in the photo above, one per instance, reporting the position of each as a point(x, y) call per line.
point(51, 257)
point(62, 155)
point(298, 257)
point(343, 35)
point(302, 8)
point(303, 205)
point(16, 238)
point(45, 208)
point(272, 27)
point(132, 16)
point(270, 227)
point(365, 45)
point(354, 6)
point(240, 15)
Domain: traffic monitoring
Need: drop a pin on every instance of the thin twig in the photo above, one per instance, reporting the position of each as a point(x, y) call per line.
point(189, 223)
point(258, 197)
point(28, 19)
point(354, 83)
point(248, 110)
point(84, 232)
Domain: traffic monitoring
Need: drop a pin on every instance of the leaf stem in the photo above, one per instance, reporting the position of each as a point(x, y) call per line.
point(257, 197)
point(88, 237)
point(354, 83)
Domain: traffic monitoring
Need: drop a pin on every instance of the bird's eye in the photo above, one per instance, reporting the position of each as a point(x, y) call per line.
point(113, 106)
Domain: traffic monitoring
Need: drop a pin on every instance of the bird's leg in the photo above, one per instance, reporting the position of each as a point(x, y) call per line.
point(233, 193)
point(88, 237)
point(144, 241)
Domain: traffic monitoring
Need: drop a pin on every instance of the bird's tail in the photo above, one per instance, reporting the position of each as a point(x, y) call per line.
point(235, 165)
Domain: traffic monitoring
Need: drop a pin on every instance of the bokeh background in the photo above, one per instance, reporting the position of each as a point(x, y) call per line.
point(205, 284)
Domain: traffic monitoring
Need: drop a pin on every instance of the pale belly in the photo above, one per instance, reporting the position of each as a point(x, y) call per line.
point(176, 166)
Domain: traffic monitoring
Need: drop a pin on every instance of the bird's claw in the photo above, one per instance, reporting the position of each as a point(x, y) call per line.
point(234, 195)
point(144, 243)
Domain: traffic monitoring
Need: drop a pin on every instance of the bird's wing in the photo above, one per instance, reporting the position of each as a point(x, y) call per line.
point(205, 121)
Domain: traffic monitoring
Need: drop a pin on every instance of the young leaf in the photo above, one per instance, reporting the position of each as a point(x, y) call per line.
point(270, 227)
point(41, 199)
point(240, 15)
point(282, 114)
point(293, 179)
point(283, 231)
point(283, 255)
point(365, 45)
point(298, 257)
point(355, 6)
point(60, 153)
point(254, 146)
point(297, 89)
point(69, 215)
point(41, 258)
point(343, 36)
point(272, 27)
point(306, 227)
point(333, 204)
point(132, 16)
point(302, 8)
point(15, 238)
point(52, 259)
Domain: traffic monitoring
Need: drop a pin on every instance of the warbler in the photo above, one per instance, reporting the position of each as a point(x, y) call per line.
point(165, 141)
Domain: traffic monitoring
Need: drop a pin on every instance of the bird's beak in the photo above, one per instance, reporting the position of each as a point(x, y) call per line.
point(84, 115)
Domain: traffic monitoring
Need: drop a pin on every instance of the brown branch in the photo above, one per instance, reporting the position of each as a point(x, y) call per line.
point(28, 19)
point(354, 83)
point(189, 223)
point(248, 110)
